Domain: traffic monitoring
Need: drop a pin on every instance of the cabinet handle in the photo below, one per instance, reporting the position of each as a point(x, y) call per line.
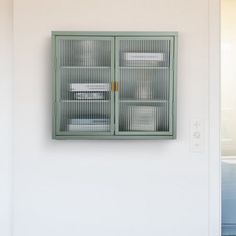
point(116, 86)
point(112, 86)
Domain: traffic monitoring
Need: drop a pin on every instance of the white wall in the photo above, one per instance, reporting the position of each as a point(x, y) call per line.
point(108, 187)
point(5, 115)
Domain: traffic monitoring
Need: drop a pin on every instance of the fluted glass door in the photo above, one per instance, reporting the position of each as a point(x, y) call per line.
point(84, 96)
point(144, 94)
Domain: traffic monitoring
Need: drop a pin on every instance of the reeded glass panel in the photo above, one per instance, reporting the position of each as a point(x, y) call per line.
point(144, 85)
point(85, 85)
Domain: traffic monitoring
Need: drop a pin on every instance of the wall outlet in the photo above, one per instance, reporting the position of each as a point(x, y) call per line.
point(197, 135)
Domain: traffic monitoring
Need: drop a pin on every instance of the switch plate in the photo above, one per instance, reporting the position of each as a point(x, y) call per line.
point(197, 135)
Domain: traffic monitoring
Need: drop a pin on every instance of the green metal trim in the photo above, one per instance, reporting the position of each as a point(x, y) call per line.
point(74, 133)
point(164, 37)
point(53, 43)
point(144, 133)
point(171, 81)
point(83, 37)
point(175, 59)
point(114, 33)
point(114, 137)
point(57, 86)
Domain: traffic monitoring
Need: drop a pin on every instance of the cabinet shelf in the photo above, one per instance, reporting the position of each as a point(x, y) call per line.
point(144, 68)
point(143, 101)
point(85, 67)
point(85, 101)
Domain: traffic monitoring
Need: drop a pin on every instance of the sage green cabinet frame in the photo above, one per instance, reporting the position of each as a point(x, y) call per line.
point(115, 38)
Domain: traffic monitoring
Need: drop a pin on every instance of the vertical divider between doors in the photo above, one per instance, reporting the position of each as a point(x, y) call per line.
point(114, 92)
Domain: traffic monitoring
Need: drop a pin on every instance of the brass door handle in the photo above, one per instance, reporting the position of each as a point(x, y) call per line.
point(114, 86)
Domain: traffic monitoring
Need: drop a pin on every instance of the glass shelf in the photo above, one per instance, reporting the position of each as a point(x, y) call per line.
point(144, 67)
point(85, 67)
point(143, 101)
point(86, 101)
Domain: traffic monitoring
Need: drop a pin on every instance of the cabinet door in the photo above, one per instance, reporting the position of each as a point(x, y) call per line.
point(144, 73)
point(83, 80)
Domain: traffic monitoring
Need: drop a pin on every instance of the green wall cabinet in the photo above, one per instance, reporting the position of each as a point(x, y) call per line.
point(114, 85)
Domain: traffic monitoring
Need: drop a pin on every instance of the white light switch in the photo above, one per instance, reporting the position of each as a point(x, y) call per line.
point(197, 135)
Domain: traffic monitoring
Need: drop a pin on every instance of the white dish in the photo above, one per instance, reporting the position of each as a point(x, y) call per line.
point(74, 87)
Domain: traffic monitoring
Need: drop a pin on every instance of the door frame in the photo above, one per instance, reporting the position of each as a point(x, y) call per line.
point(214, 159)
point(57, 85)
point(172, 86)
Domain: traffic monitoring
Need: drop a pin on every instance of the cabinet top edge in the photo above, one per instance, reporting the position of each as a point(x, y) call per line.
point(114, 33)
